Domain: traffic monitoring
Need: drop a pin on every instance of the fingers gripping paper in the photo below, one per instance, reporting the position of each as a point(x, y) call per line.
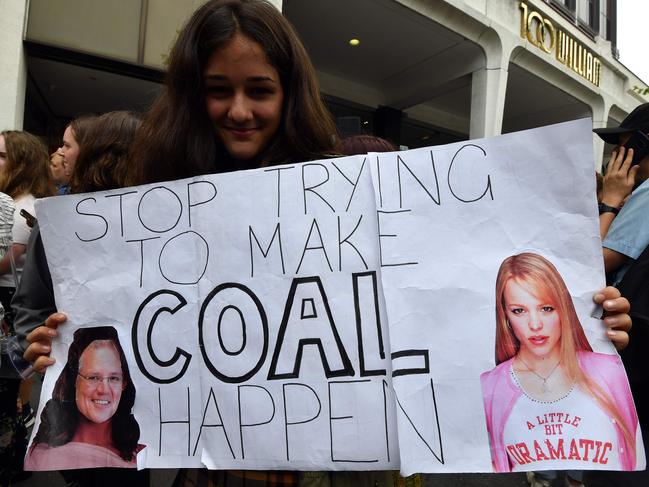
point(339, 315)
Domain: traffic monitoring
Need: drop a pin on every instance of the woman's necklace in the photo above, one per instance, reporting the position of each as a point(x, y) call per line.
point(544, 386)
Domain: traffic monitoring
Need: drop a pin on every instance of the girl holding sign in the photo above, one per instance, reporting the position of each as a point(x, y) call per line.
point(551, 402)
point(240, 93)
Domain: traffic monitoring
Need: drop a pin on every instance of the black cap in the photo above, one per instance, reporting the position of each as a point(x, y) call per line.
point(638, 119)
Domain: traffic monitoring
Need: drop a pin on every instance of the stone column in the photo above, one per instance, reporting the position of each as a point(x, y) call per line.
point(13, 67)
point(600, 110)
point(489, 86)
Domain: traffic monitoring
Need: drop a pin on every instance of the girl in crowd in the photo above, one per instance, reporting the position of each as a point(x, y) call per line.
point(34, 300)
point(102, 160)
point(545, 364)
point(99, 162)
point(73, 137)
point(240, 93)
point(8, 419)
point(24, 176)
point(101, 145)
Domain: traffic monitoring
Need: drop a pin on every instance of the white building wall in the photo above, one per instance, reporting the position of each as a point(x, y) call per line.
point(13, 70)
point(495, 26)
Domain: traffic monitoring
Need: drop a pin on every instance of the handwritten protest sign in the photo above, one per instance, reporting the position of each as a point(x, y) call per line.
point(334, 315)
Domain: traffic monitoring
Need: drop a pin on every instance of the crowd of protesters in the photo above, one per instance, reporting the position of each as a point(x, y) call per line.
point(240, 93)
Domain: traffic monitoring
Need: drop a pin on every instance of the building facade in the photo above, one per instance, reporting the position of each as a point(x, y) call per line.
point(420, 72)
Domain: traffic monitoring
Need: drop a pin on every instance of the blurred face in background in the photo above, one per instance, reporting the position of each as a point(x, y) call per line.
point(69, 150)
point(3, 153)
point(57, 168)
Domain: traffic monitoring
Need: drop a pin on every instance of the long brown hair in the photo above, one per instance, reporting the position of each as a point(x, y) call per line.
point(177, 138)
point(27, 168)
point(540, 278)
point(80, 127)
point(103, 152)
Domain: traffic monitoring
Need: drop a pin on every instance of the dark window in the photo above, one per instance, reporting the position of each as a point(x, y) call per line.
point(583, 13)
point(588, 18)
point(351, 118)
point(566, 7)
point(415, 134)
point(611, 25)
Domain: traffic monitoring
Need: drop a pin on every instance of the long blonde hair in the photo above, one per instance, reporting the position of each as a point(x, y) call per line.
point(540, 278)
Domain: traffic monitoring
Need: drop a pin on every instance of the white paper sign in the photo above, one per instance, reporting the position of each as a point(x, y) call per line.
point(333, 315)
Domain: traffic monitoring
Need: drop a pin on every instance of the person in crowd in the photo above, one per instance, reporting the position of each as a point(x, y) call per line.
point(625, 239)
point(544, 364)
point(88, 421)
point(24, 176)
point(102, 160)
point(8, 410)
point(362, 144)
point(624, 235)
point(7, 209)
point(251, 106)
point(73, 137)
point(240, 93)
point(254, 103)
point(104, 143)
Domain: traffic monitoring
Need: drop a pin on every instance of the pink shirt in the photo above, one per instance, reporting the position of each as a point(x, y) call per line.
point(73, 455)
point(500, 394)
point(572, 432)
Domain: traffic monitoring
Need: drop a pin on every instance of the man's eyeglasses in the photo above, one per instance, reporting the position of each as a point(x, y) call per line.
point(95, 380)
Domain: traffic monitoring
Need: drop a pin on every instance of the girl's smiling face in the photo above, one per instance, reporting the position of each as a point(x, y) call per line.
point(243, 97)
point(534, 320)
